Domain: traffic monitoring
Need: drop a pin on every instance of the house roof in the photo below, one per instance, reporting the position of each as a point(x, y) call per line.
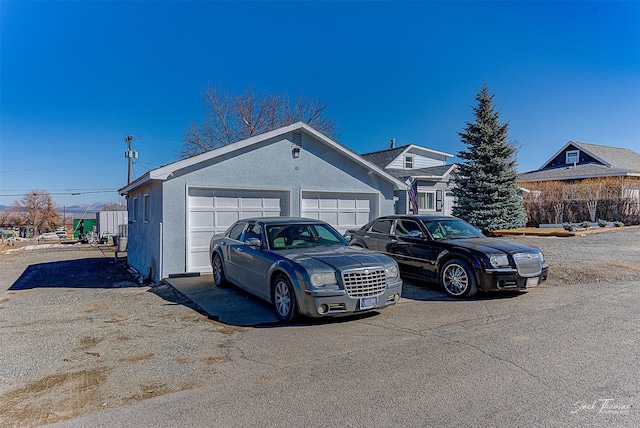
point(383, 158)
point(432, 172)
point(164, 172)
point(613, 161)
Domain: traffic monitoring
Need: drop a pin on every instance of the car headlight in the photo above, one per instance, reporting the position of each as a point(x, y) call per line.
point(541, 256)
point(499, 260)
point(391, 271)
point(323, 278)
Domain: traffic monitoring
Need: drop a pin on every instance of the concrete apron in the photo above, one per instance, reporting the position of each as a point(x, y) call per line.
point(233, 306)
point(229, 304)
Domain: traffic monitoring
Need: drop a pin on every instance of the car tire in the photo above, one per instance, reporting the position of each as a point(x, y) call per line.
point(219, 278)
point(284, 299)
point(457, 279)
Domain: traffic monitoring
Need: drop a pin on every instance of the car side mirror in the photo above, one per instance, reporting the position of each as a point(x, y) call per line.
point(415, 234)
point(253, 242)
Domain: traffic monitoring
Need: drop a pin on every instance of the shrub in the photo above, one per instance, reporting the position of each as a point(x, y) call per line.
point(602, 223)
point(585, 224)
point(618, 224)
point(569, 227)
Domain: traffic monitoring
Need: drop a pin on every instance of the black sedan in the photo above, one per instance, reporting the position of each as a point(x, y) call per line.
point(303, 266)
point(450, 251)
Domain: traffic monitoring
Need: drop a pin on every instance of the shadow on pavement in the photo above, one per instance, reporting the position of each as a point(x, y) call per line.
point(429, 291)
point(99, 272)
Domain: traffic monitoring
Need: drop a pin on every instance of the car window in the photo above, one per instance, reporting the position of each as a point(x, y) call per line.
point(382, 226)
point(303, 235)
point(405, 227)
point(452, 229)
point(253, 231)
point(236, 230)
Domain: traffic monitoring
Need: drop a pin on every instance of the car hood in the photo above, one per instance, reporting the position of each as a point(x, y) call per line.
point(337, 258)
point(492, 245)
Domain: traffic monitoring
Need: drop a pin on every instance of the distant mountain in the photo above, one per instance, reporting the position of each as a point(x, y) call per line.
point(75, 209)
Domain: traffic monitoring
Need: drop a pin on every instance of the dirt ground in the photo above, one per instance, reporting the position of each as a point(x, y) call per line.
point(80, 334)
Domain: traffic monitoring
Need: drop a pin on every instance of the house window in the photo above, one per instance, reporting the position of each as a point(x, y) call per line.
point(573, 156)
point(427, 201)
point(408, 162)
point(134, 209)
point(145, 208)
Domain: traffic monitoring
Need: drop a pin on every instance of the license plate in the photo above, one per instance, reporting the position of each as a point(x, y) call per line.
point(533, 282)
point(368, 302)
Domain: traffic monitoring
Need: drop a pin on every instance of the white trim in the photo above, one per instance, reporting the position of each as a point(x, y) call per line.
point(145, 208)
point(134, 208)
point(573, 154)
point(432, 192)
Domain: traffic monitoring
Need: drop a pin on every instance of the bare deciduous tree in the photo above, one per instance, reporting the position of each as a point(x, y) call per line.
point(230, 118)
point(36, 209)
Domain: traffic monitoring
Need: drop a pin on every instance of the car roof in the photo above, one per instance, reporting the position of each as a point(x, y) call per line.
point(423, 217)
point(283, 220)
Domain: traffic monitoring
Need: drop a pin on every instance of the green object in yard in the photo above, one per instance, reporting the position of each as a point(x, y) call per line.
point(83, 226)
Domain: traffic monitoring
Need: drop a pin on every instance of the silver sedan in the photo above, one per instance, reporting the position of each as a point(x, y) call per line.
point(303, 266)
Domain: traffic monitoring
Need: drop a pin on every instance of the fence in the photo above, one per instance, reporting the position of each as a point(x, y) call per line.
point(610, 199)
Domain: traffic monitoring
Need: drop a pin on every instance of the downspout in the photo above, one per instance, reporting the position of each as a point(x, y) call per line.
point(161, 267)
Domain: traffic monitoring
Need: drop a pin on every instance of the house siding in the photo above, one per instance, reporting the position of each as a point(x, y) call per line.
point(419, 161)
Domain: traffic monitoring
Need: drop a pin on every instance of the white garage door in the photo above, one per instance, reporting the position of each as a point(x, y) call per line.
point(341, 210)
point(212, 211)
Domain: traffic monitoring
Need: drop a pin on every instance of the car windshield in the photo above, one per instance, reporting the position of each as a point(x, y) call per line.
point(287, 236)
point(452, 229)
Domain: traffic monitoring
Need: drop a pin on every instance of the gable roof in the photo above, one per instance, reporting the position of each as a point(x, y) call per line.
point(611, 162)
point(164, 172)
point(383, 158)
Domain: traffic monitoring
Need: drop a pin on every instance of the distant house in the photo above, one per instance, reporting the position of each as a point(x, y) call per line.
point(174, 210)
point(426, 166)
point(584, 181)
point(580, 161)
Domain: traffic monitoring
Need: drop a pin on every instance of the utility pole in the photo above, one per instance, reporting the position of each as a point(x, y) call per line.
point(129, 154)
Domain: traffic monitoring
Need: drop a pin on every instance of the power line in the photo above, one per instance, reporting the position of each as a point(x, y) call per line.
point(67, 193)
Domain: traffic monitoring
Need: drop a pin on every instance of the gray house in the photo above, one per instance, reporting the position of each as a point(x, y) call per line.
point(427, 167)
point(579, 161)
point(175, 209)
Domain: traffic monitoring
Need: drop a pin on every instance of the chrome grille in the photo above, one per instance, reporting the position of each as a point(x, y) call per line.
point(528, 264)
point(364, 282)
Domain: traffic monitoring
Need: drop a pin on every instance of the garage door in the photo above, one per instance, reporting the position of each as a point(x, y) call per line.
point(212, 211)
point(341, 210)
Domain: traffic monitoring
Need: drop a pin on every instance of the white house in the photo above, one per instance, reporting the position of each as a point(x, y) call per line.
point(175, 209)
point(426, 166)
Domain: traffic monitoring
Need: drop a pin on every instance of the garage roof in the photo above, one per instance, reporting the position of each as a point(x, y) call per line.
point(164, 172)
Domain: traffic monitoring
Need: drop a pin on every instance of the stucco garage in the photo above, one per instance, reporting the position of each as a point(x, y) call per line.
point(174, 210)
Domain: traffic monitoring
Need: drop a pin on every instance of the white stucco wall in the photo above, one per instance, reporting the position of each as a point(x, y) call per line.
point(144, 251)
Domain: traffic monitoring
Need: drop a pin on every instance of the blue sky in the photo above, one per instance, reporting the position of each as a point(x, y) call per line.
point(77, 76)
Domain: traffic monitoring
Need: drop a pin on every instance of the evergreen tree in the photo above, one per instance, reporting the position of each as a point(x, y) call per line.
point(486, 191)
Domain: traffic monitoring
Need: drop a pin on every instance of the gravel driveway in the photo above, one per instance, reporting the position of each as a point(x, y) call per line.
point(79, 334)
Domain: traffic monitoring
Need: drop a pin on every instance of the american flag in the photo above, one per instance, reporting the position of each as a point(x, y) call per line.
point(413, 194)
